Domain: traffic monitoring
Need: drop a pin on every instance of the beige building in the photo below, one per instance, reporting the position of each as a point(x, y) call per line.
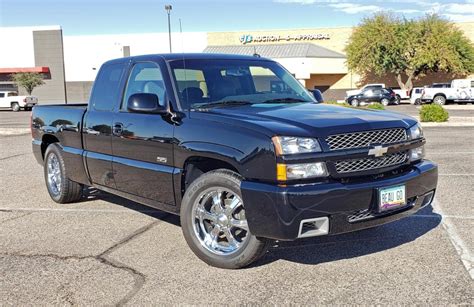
point(315, 56)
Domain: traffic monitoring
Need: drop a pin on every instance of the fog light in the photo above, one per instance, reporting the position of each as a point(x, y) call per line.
point(417, 153)
point(301, 171)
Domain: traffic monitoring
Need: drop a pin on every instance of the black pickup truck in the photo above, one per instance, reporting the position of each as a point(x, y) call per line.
point(238, 148)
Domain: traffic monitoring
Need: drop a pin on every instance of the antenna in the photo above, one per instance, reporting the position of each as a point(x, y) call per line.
point(184, 63)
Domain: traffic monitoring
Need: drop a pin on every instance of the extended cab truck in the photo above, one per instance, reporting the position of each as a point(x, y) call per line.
point(461, 90)
point(11, 100)
point(238, 148)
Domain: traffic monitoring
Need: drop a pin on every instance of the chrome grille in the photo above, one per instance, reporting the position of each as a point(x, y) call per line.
point(366, 138)
point(359, 165)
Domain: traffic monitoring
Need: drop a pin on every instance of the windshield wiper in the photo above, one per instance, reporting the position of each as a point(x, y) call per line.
point(284, 100)
point(221, 104)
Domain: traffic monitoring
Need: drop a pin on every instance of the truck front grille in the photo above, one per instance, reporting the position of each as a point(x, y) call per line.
point(366, 138)
point(359, 165)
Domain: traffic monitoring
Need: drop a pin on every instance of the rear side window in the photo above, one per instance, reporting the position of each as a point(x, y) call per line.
point(2, 95)
point(107, 87)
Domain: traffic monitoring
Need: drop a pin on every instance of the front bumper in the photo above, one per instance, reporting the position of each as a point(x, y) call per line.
point(276, 212)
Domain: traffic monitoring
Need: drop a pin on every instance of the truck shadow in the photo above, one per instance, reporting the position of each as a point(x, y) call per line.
point(317, 250)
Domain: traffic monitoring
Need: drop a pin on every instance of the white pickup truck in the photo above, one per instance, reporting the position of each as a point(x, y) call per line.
point(401, 94)
point(11, 100)
point(461, 90)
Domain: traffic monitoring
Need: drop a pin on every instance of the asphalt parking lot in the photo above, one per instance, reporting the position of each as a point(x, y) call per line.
point(106, 250)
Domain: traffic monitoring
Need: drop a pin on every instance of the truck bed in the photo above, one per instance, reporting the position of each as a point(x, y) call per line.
point(63, 121)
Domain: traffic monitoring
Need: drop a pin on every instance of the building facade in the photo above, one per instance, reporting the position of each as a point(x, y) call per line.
point(69, 64)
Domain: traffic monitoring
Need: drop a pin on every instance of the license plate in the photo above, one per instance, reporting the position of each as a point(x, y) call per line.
point(391, 198)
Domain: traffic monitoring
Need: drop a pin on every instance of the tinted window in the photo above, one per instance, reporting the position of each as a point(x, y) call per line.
point(145, 78)
point(2, 95)
point(250, 81)
point(378, 92)
point(12, 94)
point(106, 91)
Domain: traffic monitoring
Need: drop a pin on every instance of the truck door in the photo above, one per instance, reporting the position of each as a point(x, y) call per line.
point(97, 128)
point(143, 143)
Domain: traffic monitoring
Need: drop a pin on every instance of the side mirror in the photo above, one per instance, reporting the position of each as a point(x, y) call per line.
point(318, 95)
point(145, 103)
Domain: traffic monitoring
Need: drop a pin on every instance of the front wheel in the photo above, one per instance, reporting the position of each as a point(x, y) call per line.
point(214, 224)
point(385, 102)
point(417, 101)
point(354, 102)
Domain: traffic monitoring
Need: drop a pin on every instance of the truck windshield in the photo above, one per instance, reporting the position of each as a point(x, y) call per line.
point(217, 83)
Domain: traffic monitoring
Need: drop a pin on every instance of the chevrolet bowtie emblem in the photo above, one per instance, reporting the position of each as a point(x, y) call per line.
point(378, 151)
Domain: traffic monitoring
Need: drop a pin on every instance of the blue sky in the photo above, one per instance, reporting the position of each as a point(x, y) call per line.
point(137, 16)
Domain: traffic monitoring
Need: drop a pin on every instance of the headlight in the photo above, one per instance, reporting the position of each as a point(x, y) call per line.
point(417, 153)
point(301, 171)
point(415, 132)
point(287, 145)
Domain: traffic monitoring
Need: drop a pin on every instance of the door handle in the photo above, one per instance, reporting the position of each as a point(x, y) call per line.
point(117, 129)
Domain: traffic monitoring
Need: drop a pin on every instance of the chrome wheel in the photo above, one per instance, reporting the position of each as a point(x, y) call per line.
point(385, 102)
point(355, 103)
point(219, 221)
point(54, 174)
point(439, 100)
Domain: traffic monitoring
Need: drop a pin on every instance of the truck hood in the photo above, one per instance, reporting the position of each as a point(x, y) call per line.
point(306, 119)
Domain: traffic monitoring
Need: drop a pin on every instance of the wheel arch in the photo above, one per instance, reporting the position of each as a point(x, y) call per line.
point(195, 166)
point(47, 140)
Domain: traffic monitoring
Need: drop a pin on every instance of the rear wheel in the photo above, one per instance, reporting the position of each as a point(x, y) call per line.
point(398, 99)
point(439, 100)
point(385, 101)
point(214, 223)
point(355, 102)
point(417, 101)
point(15, 107)
point(60, 187)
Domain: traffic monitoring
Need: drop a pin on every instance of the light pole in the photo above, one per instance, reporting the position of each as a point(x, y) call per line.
point(168, 9)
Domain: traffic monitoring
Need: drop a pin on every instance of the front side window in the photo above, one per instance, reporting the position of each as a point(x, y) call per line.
point(145, 78)
point(12, 94)
point(203, 82)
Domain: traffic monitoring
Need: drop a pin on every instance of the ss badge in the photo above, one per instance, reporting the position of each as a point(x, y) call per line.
point(161, 160)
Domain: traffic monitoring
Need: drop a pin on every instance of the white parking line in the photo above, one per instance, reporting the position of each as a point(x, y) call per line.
point(466, 257)
point(471, 174)
point(451, 153)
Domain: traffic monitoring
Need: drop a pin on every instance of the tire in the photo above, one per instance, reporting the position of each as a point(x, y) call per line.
point(27, 109)
point(385, 101)
point(439, 100)
point(15, 107)
point(417, 101)
point(61, 189)
point(211, 207)
point(399, 99)
point(355, 102)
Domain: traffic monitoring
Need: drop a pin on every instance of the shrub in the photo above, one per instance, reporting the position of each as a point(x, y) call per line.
point(433, 113)
point(334, 102)
point(376, 106)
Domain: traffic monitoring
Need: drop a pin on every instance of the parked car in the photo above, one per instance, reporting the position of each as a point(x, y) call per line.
point(384, 96)
point(416, 93)
point(460, 90)
point(399, 93)
point(207, 137)
point(11, 100)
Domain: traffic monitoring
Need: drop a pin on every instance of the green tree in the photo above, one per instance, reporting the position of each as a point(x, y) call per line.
point(409, 49)
point(28, 80)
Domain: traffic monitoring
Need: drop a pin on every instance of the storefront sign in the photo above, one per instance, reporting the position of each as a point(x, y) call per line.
point(248, 38)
